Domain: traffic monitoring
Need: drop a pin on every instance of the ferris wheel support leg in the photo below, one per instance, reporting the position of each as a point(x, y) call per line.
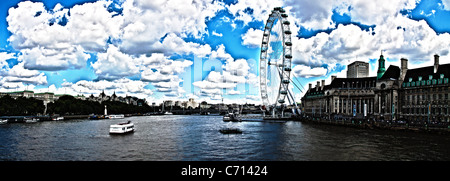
point(293, 100)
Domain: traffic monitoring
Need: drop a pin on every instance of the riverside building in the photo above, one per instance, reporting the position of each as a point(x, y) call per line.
point(397, 93)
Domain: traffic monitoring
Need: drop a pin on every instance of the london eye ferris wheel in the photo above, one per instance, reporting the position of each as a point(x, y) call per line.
point(275, 60)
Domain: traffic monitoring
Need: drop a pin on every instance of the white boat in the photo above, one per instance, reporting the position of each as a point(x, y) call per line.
point(232, 117)
point(3, 121)
point(168, 113)
point(58, 118)
point(116, 116)
point(227, 117)
point(121, 128)
point(31, 120)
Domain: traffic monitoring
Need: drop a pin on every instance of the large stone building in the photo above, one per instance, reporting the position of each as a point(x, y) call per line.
point(398, 93)
point(425, 93)
point(344, 97)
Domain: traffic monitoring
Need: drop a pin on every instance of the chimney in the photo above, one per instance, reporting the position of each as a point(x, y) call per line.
point(436, 62)
point(333, 77)
point(318, 85)
point(323, 84)
point(404, 68)
point(310, 86)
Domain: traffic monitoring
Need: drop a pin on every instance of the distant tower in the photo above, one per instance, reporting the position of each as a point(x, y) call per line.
point(381, 67)
point(358, 69)
point(106, 111)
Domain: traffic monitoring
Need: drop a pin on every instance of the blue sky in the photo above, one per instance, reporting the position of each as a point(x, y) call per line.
point(204, 49)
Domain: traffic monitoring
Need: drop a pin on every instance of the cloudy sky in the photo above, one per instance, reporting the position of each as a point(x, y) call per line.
point(204, 49)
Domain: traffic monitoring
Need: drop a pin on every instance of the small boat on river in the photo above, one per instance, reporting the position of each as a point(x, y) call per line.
point(116, 116)
point(97, 117)
point(230, 131)
point(59, 118)
point(31, 120)
point(121, 128)
point(233, 117)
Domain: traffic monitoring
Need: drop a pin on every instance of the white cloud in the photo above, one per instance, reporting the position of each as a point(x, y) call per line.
point(217, 34)
point(342, 44)
point(170, 87)
point(163, 73)
point(252, 38)
point(398, 36)
point(3, 57)
point(174, 44)
point(220, 53)
point(416, 40)
point(41, 58)
point(237, 67)
point(114, 64)
point(175, 67)
point(446, 4)
point(91, 25)
point(149, 75)
point(312, 14)
point(317, 15)
point(234, 73)
point(155, 60)
point(147, 22)
point(214, 81)
point(376, 11)
point(248, 11)
point(122, 87)
point(65, 36)
point(18, 74)
point(307, 72)
point(233, 92)
point(53, 40)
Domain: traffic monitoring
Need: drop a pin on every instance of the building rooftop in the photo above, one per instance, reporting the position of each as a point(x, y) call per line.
point(357, 62)
point(393, 72)
point(425, 72)
point(343, 83)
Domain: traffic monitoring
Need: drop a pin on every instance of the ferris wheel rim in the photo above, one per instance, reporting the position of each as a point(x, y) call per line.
point(278, 13)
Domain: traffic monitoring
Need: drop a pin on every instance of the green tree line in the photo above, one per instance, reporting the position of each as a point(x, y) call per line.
point(20, 106)
point(66, 105)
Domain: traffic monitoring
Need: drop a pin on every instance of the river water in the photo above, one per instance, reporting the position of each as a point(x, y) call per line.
point(186, 138)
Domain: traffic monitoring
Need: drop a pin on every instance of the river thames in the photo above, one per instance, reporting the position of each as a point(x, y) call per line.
point(197, 138)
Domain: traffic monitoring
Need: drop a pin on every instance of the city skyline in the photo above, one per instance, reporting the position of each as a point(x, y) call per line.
point(207, 50)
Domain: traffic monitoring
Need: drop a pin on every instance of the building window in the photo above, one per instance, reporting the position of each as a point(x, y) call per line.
point(430, 77)
point(442, 76)
point(420, 78)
